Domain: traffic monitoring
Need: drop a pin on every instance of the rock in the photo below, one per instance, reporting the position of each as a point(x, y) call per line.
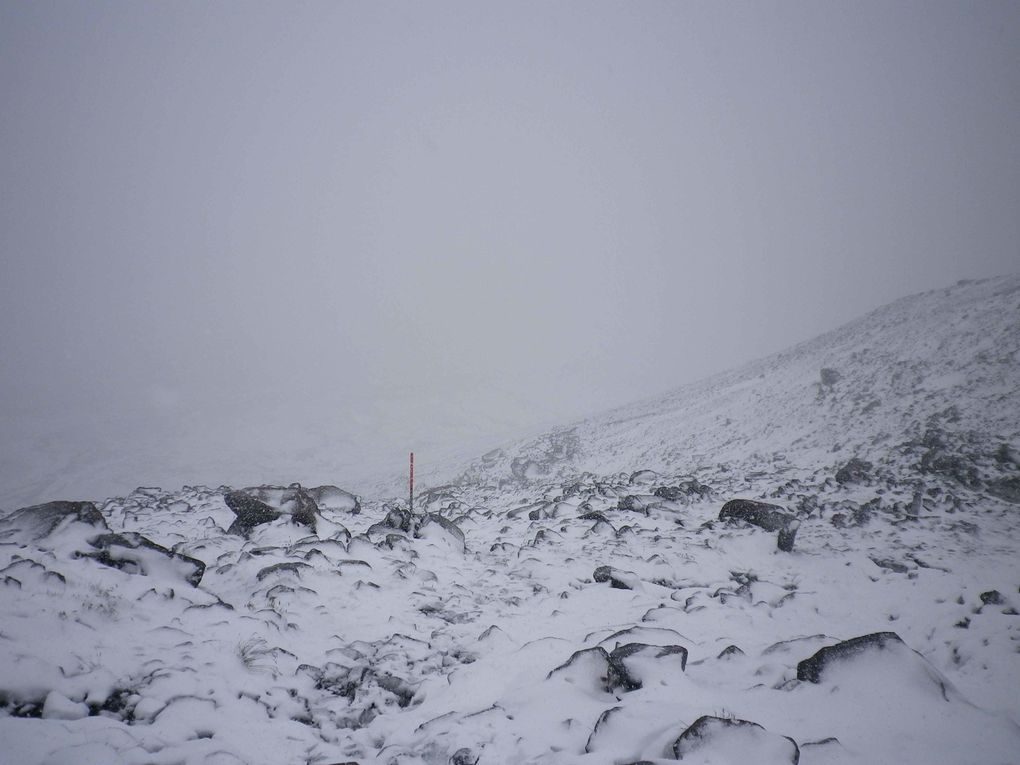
point(464, 756)
point(133, 553)
point(587, 669)
point(728, 651)
point(524, 469)
point(399, 518)
point(992, 598)
point(686, 490)
point(643, 477)
point(1006, 488)
point(635, 503)
point(293, 500)
point(599, 732)
point(248, 511)
point(293, 567)
point(334, 498)
point(433, 525)
point(594, 515)
point(955, 466)
point(812, 669)
point(854, 471)
point(889, 563)
point(787, 536)
point(761, 514)
point(631, 664)
point(765, 516)
point(829, 376)
point(620, 580)
point(719, 739)
point(39, 521)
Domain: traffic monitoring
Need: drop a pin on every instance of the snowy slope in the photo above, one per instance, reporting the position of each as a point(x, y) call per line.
point(948, 359)
point(573, 598)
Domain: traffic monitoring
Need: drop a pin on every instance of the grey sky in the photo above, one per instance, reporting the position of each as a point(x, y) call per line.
point(308, 205)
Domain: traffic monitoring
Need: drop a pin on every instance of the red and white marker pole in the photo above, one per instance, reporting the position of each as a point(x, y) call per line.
point(410, 500)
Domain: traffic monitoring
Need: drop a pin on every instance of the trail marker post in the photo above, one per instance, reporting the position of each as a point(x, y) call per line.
point(410, 497)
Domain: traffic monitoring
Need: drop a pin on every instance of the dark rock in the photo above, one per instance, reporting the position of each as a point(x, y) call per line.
point(672, 493)
point(620, 580)
point(1007, 455)
point(683, 491)
point(1006, 488)
point(728, 651)
point(248, 511)
point(955, 466)
point(594, 515)
point(292, 567)
point(399, 518)
point(811, 670)
point(38, 521)
point(765, 516)
point(829, 376)
point(534, 515)
point(133, 553)
point(623, 672)
point(766, 748)
point(854, 471)
point(634, 503)
point(787, 536)
point(464, 756)
point(761, 514)
point(992, 598)
point(587, 669)
point(899, 568)
point(293, 500)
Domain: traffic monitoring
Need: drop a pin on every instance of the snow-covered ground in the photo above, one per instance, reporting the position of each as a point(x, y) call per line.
point(575, 597)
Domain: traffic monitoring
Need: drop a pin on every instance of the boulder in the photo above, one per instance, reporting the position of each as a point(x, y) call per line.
point(955, 466)
point(249, 512)
point(683, 491)
point(334, 498)
point(399, 518)
point(38, 521)
point(719, 739)
point(293, 500)
point(1007, 489)
point(829, 376)
point(643, 477)
point(135, 554)
point(765, 516)
point(637, 503)
point(854, 471)
point(435, 526)
point(630, 665)
point(620, 580)
point(587, 669)
point(812, 669)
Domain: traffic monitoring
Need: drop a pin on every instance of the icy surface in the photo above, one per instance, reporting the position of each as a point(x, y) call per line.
point(484, 627)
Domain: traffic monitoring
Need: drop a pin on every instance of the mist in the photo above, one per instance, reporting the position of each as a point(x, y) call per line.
point(279, 242)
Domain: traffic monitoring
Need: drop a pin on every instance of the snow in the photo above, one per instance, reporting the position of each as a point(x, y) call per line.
point(481, 632)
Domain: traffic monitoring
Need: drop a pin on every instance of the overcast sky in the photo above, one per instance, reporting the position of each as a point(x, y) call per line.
point(551, 207)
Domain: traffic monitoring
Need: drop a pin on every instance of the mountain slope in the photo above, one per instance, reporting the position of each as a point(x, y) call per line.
point(946, 361)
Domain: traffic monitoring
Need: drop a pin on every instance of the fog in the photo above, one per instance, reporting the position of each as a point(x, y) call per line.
point(273, 241)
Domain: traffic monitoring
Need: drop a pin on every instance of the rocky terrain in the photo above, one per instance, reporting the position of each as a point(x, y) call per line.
point(809, 559)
